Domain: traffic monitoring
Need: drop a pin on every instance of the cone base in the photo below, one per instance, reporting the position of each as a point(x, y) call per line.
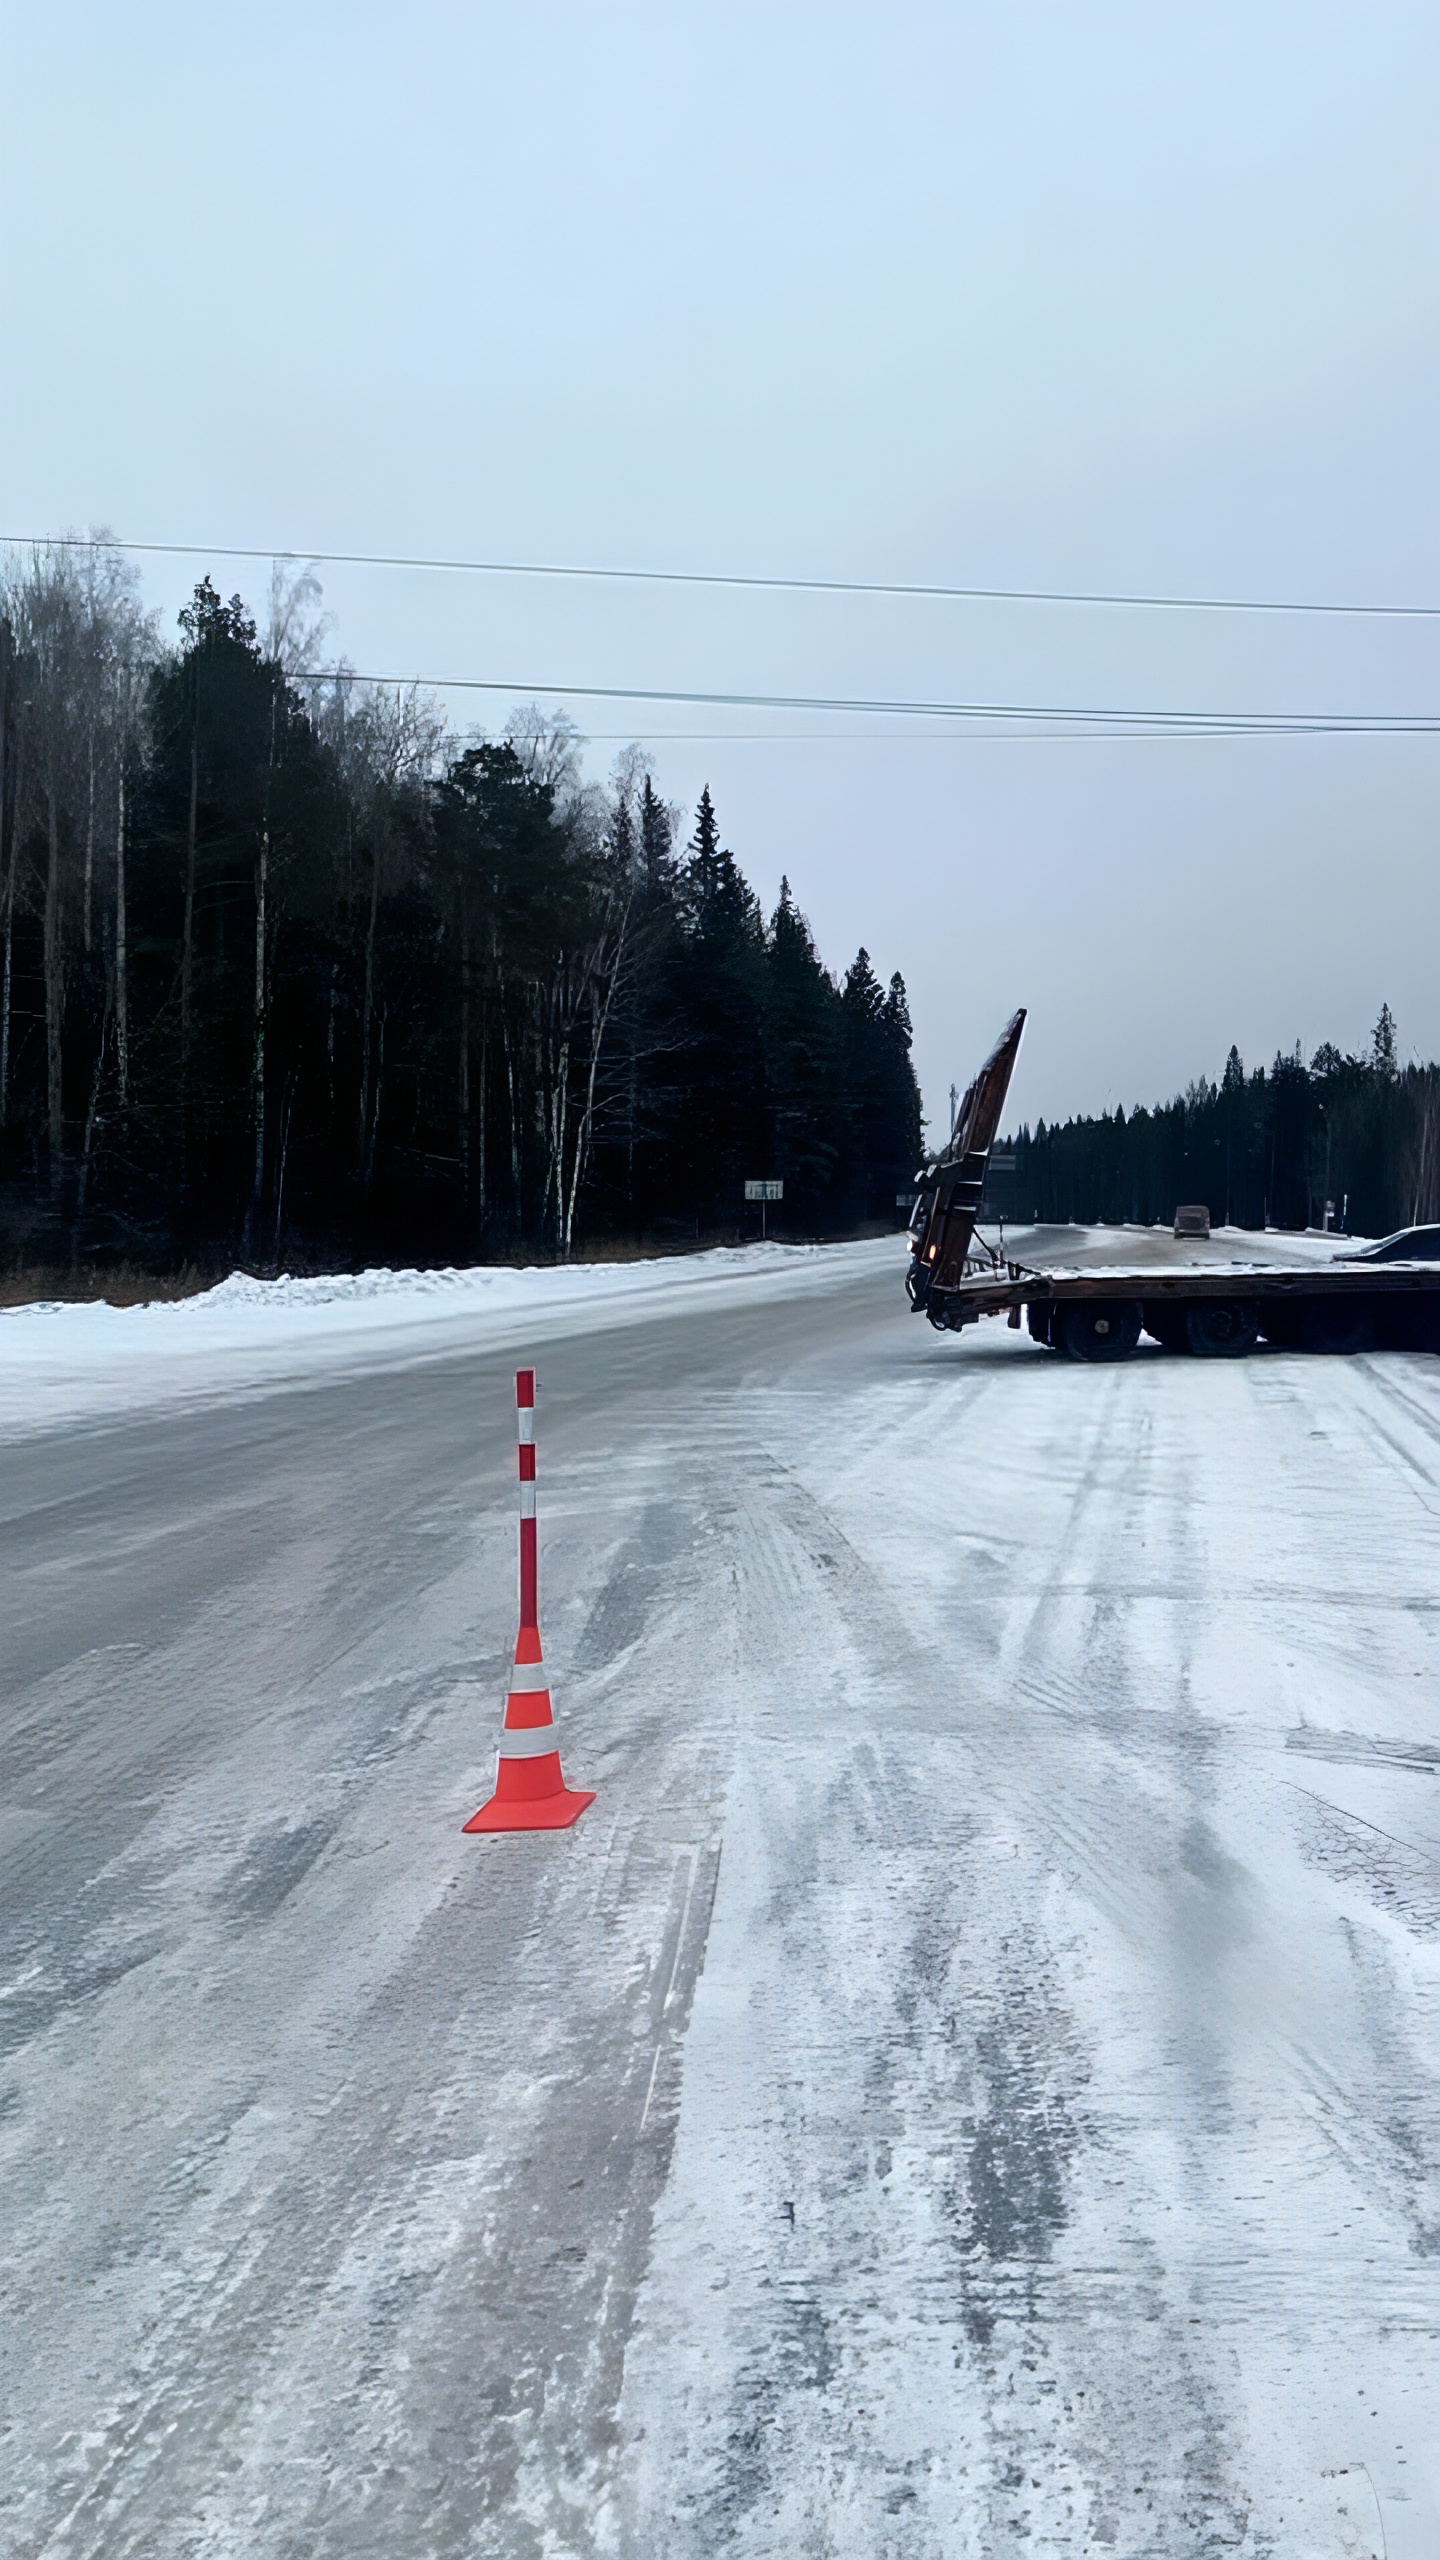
point(537, 1813)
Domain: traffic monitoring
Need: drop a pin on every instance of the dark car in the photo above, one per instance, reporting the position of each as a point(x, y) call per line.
point(1409, 1244)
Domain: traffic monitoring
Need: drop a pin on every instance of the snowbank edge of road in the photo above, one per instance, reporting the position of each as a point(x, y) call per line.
point(65, 1363)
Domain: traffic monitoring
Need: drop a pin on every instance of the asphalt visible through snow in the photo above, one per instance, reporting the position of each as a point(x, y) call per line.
point(969, 2086)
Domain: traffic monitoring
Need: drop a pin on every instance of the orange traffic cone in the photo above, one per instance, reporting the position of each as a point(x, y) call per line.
point(530, 1792)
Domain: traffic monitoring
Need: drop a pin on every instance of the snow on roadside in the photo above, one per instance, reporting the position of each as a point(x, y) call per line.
point(1126, 1249)
point(63, 1363)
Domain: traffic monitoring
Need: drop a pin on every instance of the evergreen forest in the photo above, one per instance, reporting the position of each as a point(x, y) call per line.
point(291, 975)
point(1351, 1142)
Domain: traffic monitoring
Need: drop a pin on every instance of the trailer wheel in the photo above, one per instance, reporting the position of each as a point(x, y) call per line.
point(1037, 1317)
point(1220, 1328)
point(1409, 1324)
point(1340, 1326)
point(1096, 1328)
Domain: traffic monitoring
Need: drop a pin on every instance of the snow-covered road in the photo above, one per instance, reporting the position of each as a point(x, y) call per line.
point(971, 2084)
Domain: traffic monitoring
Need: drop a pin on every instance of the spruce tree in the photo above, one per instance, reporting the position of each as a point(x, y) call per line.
point(719, 988)
point(803, 1054)
point(723, 908)
point(655, 839)
point(1382, 1047)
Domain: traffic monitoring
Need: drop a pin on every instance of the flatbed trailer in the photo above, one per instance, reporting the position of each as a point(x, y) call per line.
point(1215, 1309)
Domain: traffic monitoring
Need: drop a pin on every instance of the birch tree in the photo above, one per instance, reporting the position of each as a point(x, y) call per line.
point(78, 653)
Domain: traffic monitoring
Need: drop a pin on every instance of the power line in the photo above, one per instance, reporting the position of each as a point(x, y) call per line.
point(725, 578)
point(935, 737)
point(1087, 717)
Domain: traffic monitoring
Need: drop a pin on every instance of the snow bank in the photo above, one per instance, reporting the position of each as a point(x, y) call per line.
point(61, 1363)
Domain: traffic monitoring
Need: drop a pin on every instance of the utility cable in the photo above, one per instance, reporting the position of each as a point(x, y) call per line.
point(1140, 723)
point(734, 579)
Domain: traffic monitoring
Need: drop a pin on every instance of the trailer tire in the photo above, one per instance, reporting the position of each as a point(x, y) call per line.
point(1410, 1324)
point(1220, 1328)
point(1338, 1326)
point(1097, 1328)
point(1038, 1317)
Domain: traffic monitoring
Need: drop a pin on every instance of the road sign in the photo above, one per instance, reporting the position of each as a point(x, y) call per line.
point(763, 1191)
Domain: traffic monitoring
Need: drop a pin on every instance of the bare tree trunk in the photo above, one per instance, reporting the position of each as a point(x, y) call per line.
point(17, 821)
point(280, 1173)
point(540, 1093)
point(54, 1000)
point(513, 1099)
point(482, 1099)
point(1425, 1191)
point(379, 1089)
point(557, 1116)
point(122, 961)
point(89, 839)
point(262, 883)
point(91, 1121)
point(367, 1036)
point(630, 1132)
point(464, 1092)
point(187, 946)
point(543, 1094)
point(5, 987)
point(569, 1190)
point(599, 1019)
point(262, 886)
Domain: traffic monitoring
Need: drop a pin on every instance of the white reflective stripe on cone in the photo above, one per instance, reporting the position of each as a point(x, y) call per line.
point(526, 1418)
point(527, 1502)
point(529, 1742)
point(529, 1675)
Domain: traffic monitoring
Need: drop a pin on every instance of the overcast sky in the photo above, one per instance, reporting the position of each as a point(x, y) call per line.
point(1126, 298)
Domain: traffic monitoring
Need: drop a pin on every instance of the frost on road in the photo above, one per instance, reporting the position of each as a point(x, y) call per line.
point(969, 2087)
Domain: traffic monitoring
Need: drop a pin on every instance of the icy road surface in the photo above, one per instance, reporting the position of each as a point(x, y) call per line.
point(970, 2086)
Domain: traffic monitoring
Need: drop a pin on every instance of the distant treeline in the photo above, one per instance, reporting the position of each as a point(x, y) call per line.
point(1267, 1149)
point(291, 974)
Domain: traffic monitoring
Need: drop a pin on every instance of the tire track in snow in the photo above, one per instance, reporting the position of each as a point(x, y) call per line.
point(1060, 2026)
